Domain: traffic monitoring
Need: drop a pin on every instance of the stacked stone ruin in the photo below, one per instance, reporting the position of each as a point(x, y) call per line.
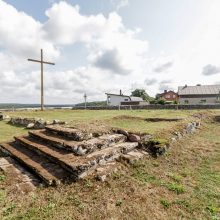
point(57, 154)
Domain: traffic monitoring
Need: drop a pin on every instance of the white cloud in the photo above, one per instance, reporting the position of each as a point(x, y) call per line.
point(111, 60)
point(150, 81)
point(114, 51)
point(120, 3)
point(101, 35)
point(163, 67)
point(21, 35)
point(116, 57)
point(210, 70)
point(165, 85)
point(200, 47)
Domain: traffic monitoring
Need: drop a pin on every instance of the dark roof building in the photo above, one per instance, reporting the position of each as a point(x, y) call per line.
point(168, 95)
point(198, 94)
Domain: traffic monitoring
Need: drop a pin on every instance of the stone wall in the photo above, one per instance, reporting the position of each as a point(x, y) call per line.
point(187, 107)
point(33, 123)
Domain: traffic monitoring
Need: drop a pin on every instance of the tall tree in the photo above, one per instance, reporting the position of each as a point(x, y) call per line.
point(141, 93)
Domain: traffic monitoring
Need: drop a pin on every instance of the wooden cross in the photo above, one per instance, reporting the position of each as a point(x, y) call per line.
point(85, 98)
point(41, 61)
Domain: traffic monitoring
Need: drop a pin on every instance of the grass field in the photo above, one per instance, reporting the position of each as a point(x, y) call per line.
point(101, 120)
point(182, 184)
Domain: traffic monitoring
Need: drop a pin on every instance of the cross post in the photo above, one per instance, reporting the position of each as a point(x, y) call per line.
point(85, 98)
point(42, 62)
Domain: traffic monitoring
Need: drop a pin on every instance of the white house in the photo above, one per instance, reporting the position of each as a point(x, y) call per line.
point(120, 99)
point(199, 94)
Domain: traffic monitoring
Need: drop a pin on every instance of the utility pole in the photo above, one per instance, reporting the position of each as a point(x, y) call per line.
point(85, 99)
point(41, 61)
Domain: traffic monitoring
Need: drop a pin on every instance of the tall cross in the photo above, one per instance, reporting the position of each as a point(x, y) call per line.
point(41, 61)
point(85, 98)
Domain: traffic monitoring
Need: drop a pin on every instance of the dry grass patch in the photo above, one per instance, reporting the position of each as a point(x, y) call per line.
point(182, 184)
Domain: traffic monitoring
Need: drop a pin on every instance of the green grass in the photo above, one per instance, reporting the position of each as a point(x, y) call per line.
point(165, 203)
point(177, 188)
point(2, 178)
point(131, 120)
point(182, 184)
point(7, 132)
point(83, 115)
point(175, 177)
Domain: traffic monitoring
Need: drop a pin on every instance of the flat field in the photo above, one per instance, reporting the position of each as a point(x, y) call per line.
point(134, 120)
point(182, 184)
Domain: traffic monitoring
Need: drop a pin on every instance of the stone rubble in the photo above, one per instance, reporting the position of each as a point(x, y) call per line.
point(4, 117)
point(190, 129)
point(105, 171)
point(51, 153)
point(134, 138)
point(32, 123)
point(133, 156)
point(60, 154)
point(23, 181)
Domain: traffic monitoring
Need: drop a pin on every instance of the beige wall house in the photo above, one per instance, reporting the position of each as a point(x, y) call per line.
point(120, 99)
point(199, 94)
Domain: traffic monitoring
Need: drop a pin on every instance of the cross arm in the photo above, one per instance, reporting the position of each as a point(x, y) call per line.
point(38, 61)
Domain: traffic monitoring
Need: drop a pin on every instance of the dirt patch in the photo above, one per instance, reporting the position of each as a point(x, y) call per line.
point(217, 118)
point(202, 115)
point(92, 127)
point(127, 117)
point(163, 119)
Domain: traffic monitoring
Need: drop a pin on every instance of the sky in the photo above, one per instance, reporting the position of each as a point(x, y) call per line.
point(102, 46)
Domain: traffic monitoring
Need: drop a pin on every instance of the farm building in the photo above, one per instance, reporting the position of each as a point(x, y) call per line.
point(199, 94)
point(168, 96)
point(120, 99)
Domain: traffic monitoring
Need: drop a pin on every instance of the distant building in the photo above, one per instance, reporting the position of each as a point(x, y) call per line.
point(199, 94)
point(120, 99)
point(168, 96)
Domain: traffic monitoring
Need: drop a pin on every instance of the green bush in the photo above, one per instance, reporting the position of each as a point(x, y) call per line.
point(165, 203)
point(176, 188)
point(161, 102)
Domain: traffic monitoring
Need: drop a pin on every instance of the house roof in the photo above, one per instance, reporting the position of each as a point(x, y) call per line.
point(118, 95)
point(170, 91)
point(199, 90)
point(132, 98)
point(136, 99)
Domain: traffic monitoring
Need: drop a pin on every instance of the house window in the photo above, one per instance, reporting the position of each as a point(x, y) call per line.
point(218, 97)
point(126, 100)
point(203, 101)
point(109, 99)
point(167, 96)
point(174, 96)
point(186, 101)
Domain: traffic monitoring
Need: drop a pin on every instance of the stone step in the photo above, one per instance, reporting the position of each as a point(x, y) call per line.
point(133, 156)
point(104, 141)
point(104, 156)
point(49, 172)
point(113, 151)
point(77, 165)
point(18, 178)
point(103, 172)
point(59, 156)
point(78, 147)
point(71, 133)
point(55, 141)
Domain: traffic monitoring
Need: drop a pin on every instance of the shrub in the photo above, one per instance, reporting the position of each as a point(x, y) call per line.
point(165, 203)
point(161, 102)
point(176, 188)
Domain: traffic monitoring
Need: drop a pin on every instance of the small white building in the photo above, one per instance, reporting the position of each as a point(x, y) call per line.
point(199, 94)
point(120, 99)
